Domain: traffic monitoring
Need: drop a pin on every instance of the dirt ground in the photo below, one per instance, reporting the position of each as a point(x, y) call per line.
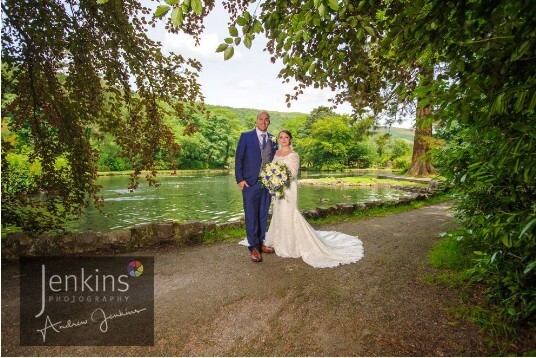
point(212, 301)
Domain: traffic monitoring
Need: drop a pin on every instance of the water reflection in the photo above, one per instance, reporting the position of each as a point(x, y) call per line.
point(201, 197)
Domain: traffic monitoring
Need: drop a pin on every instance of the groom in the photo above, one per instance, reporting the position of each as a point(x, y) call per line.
point(255, 149)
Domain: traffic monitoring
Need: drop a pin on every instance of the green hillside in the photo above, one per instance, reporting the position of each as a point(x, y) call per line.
point(403, 133)
point(248, 115)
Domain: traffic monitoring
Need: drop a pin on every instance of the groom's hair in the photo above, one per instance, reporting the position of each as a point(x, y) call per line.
point(265, 112)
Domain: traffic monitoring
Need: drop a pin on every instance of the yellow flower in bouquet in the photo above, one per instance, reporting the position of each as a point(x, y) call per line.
point(275, 177)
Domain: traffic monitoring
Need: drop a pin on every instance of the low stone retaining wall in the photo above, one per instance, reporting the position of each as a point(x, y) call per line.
point(159, 233)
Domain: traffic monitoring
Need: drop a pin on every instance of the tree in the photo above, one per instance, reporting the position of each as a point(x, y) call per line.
point(486, 99)
point(349, 47)
point(78, 69)
point(326, 148)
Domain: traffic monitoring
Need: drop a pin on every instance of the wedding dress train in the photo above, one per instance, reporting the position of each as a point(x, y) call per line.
point(292, 236)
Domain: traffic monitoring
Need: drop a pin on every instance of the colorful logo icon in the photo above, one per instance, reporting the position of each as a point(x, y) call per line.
point(135, 268)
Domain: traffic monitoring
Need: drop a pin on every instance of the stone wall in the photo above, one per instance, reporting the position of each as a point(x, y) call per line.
point(158, 233)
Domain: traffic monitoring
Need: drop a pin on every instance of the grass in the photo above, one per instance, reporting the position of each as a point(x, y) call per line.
point(223, 235)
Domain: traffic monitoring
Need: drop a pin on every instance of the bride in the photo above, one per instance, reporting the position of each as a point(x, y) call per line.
point(290, 234)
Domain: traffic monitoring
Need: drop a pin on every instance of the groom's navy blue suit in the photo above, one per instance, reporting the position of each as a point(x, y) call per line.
point(256, 199)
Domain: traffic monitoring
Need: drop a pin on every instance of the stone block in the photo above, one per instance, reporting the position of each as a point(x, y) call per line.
point(143, 235)
point(372, 204)
point(47, 245)
point(389, 203)
point(165, 231)
point(403, 200)
point(360, 206)
point(238, 224)
point(189, 231)
point(116, 237)
point(345, 208)
point(310, 214)
point(209, 225)
point(86, 238)
point(324, 211)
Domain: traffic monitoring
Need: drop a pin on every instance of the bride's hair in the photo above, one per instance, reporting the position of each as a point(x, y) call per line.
point(287, 133)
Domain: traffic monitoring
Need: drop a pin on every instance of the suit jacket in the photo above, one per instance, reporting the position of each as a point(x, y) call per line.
point(248, 156)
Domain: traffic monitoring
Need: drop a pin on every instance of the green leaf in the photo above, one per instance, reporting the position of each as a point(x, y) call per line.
point(228, 53)
point(333, 4)
point(233, 31)
point(506, 240)
point(229, 40)
point(161, 11)
point(102, 1)
point(369, 30)
point(360, 34)
point(287, 44)
point(257, 26)
point(172, 2)
point(177, 17)
point(222, 47)
point(530, 267)
point(322, 10)
point(317, 3)
point(197, 6)
point(247, 41)
point(311, 68)
point(240, 21)
point(237, 41)
point(527, 227)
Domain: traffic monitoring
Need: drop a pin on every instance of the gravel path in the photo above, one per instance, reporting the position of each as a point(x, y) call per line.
point(212, 301)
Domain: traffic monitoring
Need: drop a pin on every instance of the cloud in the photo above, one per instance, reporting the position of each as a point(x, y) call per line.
point(185, 45)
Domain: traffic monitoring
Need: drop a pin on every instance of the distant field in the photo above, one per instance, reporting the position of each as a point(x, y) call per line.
point(403, 133)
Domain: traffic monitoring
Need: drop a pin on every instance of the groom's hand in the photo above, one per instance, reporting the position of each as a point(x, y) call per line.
point(242, 184)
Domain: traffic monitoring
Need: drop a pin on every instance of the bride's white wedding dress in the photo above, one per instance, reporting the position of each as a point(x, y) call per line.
point(291, 236)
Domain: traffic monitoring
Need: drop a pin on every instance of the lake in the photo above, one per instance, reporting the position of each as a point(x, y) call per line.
point(201, 197)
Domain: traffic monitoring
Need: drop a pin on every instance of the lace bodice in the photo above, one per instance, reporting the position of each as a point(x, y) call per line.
point(292, 161)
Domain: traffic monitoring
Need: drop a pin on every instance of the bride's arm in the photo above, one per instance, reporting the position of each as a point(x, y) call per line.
point(293, 165)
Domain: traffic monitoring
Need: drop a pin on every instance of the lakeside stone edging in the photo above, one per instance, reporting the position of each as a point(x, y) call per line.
point(163, 233)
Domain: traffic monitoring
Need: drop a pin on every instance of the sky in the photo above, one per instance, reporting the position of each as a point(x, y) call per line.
point(248, 79)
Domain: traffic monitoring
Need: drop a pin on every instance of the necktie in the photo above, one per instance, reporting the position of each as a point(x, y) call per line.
point(263, 140)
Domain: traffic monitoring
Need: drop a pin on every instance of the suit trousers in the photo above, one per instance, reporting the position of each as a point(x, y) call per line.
point(256, 208)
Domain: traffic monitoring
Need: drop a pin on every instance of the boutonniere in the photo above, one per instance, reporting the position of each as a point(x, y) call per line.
point(273, 139)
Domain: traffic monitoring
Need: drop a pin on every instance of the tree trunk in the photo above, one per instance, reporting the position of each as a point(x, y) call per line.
point(421, 163)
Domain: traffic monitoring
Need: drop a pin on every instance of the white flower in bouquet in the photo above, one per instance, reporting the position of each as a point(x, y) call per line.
point(275, 177)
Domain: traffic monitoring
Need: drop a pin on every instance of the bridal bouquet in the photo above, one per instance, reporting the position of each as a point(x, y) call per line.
point(275, 177)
